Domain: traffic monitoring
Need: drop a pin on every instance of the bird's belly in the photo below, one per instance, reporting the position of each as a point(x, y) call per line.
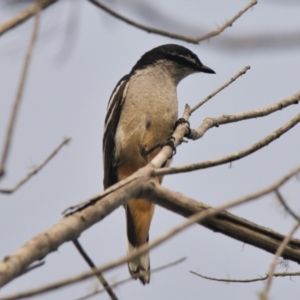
point(138, 133)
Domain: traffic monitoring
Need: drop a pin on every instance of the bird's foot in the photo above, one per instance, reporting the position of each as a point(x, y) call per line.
point(183, 121)
point(168, 142)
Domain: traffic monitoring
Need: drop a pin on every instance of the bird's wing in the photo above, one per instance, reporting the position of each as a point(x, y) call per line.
point(113, 113)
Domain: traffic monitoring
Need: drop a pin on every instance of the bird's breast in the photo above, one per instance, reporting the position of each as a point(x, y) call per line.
point(148, 115)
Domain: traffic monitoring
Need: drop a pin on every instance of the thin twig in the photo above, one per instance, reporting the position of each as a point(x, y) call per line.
point(171, 264)
point(193, 40)
point(209, 123)
point(240, 73)
point(33, 267)
point(197, 218)
point(36, 169)
point(264, 294)
point(263, 278)
point(17, 101)
point(286, 207)
point(93, 267)
point(231, 157)
point(25, 15)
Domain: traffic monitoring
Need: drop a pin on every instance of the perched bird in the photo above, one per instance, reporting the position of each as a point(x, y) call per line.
point(142, 112)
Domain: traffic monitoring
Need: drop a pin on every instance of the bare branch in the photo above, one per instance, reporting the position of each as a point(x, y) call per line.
point(172, 264)
point(224, 222)
point(240, 73)
point(176, 36)
point(208, 123)
point(215, 219)
point(263, 278)
point(67, 229)
point(264, 294)
point(33, 267)
point(231, 157)
point(25, 15)
point(100, 276)
point(228, 23)
point(16, 104)
point(36, 169)
point(286, 207)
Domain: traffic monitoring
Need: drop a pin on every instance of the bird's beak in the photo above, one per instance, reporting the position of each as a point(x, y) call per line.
point(206, 69)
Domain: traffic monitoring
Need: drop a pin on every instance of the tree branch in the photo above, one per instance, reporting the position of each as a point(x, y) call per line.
point(36, 169)
point(231, 157)
point(208, 123)
point(16, 104)
point(100, 276)
point(25, 15)
point(171, 264)
point(215, 219)
point(176, 36)
point(264, 294)
point(231, 80)
point(286, 207)
point(263, 278)
point(72, 226)
point(67, 229)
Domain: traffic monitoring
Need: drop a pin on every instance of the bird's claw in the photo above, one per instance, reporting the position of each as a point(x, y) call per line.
point(183, 121)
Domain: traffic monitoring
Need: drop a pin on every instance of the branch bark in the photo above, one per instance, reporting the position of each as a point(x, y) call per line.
point(35, 170)
point(69, 228)
point(193, 40)
point(18, 98)
point(231, 157)
point(25, 15)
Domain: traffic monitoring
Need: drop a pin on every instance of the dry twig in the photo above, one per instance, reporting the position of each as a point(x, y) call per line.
point(286, 207)
point(193, 40)
point(171, 264)
point(250, 280)
point(36, 169)
point(100, 276)
point(17, 101)
point(231, 157)
point(264, 294)
point(226, 84)
point(25, 15)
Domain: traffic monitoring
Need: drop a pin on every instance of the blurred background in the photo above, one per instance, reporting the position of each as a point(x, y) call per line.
point(80, 55)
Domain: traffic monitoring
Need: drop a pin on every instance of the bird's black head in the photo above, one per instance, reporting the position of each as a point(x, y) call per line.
point(174, 53)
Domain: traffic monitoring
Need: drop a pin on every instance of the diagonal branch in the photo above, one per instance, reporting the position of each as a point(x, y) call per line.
point(35, 170)
point(226, 84)
point(280, 250)
point(205, 215)
point(171, 264)
point(286, 207)
point(25, 15)
point(208, 123)
point(69, 228)
point(100, 276)
point(250, 280)
point(16, 104)
point(193, 40)
point(231, 157)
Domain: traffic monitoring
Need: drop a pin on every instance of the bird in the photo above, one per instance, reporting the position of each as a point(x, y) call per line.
point(141, 113)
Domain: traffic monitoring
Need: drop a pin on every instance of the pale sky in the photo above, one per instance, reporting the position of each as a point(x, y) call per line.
point(81, 54)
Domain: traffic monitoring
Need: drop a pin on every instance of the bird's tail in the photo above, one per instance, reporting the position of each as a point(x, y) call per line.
point(140, 266)
point(138, 215)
